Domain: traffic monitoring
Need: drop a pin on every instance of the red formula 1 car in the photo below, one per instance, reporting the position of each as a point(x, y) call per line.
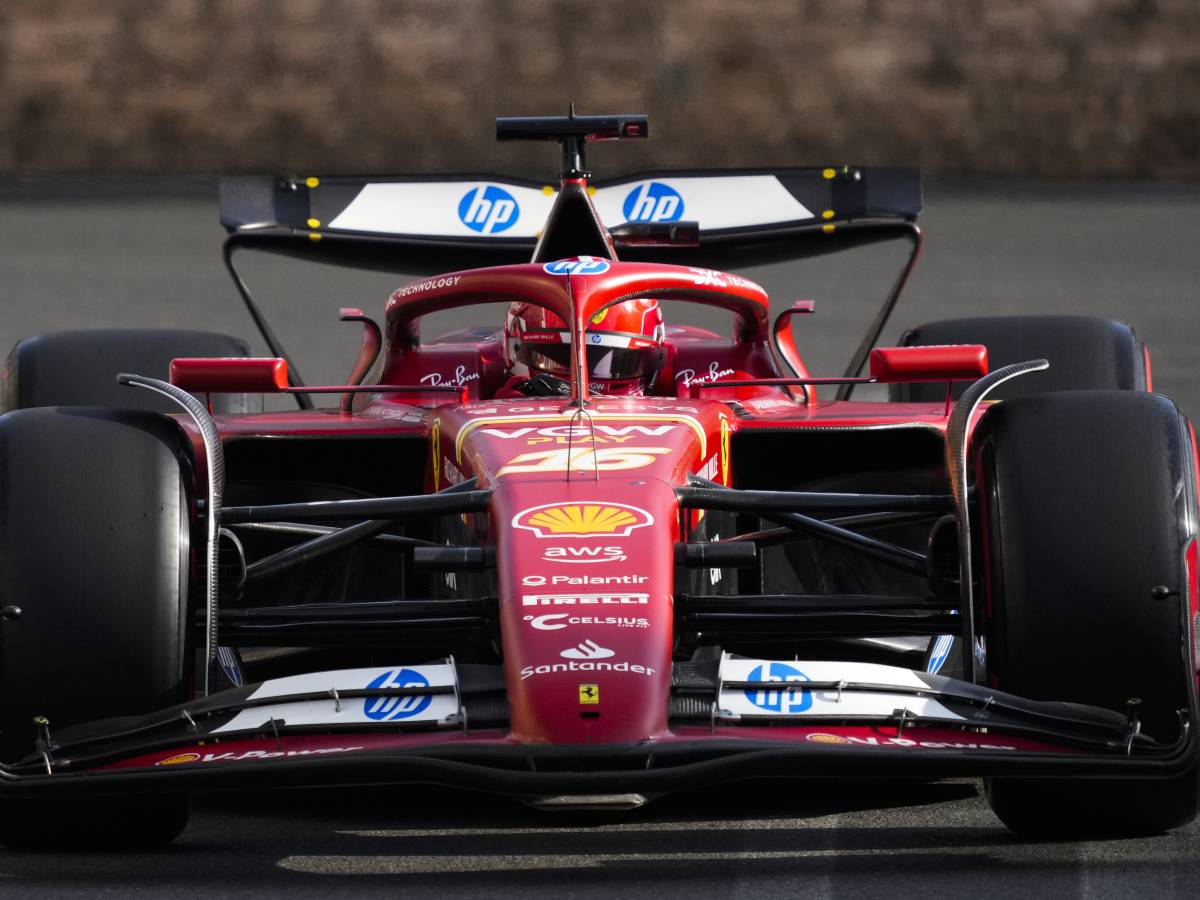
point(590, 559)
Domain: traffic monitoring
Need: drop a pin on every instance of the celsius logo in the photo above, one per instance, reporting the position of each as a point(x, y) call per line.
point(488, 209)
point(580, 265)
point(588, 649)
point(653, 201)
point(392, 708)
point(559, 621)
point(785, 700)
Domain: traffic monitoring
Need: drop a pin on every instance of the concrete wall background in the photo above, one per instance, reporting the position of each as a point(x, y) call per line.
point(1028, 87)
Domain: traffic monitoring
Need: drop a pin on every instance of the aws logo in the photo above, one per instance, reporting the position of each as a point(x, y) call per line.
point(584, 554)
point(558, 520)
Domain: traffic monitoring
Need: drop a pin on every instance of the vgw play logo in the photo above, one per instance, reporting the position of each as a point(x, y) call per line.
point(653, 201)
point(488, 209)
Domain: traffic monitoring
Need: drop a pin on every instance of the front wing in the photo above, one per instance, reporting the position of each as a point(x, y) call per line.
point(444, 723)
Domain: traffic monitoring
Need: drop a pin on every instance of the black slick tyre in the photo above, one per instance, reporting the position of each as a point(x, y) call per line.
point(1088, 503)
point(94, 581)
point(68, 368)
point(1084, 352)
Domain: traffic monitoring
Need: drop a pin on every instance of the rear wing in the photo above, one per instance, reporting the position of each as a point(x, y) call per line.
point(425, 224)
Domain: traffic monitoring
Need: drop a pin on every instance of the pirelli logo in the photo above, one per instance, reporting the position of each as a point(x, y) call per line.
point(611, 599)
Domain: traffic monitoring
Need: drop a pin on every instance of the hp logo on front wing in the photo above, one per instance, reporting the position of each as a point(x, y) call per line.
point(385, 709)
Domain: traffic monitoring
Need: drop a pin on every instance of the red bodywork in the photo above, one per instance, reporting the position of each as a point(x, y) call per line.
point(584, 517)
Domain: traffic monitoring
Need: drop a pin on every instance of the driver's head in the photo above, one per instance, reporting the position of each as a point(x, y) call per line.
point(624, 345)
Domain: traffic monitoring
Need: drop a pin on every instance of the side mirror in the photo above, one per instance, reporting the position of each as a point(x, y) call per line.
point(952, 362)
point(235, 375)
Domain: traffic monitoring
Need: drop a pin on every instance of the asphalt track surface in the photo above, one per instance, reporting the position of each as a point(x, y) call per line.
point(144, 253)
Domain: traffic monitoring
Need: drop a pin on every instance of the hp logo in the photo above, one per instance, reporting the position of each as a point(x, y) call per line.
point(386, 709)
point(488, 209)
point(779, 698)
point(582, 265)
point(653, 201)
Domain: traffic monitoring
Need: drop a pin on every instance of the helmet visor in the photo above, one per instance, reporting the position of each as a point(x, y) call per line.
point(604, 362)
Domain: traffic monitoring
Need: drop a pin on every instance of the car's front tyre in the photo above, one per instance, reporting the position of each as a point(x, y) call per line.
point(1087, 506)
point(95, 569)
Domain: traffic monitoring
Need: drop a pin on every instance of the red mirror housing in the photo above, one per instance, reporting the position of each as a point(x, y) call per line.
point(952, 362)
point(234, 375)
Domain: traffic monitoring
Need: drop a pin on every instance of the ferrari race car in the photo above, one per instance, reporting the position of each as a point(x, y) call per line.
point(586, 599)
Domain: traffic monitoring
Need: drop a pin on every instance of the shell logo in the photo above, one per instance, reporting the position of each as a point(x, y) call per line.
point(826, 739)
point(559, 520)
point(179, 758)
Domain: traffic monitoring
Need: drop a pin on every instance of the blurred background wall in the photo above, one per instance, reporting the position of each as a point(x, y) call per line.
point(1025, 87)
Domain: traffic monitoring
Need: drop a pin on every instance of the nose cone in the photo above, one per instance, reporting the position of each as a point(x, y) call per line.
point(586, 579)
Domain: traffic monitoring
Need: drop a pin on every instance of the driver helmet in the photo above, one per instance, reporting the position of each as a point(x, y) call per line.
point(625, 345)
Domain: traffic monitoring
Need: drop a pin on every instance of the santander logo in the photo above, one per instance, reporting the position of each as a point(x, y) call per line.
point(588, 649)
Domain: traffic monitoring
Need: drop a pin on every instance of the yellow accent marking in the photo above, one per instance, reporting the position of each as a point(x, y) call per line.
point(468, 427)
point(547, 190)
point(828, 214)
point(435, 443)
point(724, 450)
point(312, 182)
point(829, 173)
point(589, 694)
point(591, 191)
point(314, 236)
point(828, 229)
point(314, 223)
point(600, 316)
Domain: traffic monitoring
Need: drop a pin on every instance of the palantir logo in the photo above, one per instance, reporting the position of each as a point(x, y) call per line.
point(779, 698)
point(653, 201)
point(391, 708)
point(488, 209)
point(580, 265)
